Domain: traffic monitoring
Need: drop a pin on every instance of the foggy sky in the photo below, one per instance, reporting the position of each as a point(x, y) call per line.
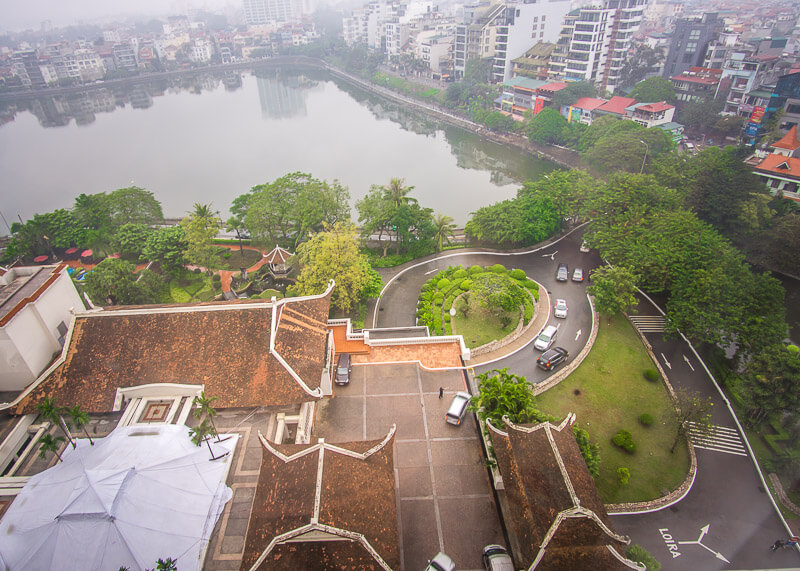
point(17, 15)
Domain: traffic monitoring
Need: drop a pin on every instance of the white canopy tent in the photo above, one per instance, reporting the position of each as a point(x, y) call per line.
point(137, 495)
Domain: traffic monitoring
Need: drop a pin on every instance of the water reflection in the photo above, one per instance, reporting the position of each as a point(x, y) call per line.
point(283, 95)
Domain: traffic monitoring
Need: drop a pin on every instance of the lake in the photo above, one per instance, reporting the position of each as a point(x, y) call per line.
point(211, 137)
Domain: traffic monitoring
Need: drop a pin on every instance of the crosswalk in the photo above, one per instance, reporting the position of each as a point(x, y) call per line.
point(648, 323)
point(717, 438)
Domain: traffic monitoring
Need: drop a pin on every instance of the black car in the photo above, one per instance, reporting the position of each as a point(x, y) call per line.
point(562, 274)
point(552, 358)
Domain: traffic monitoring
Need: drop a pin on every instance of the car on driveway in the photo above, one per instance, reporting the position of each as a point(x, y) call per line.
point(552, 358)
point(441, 562)
point(577, 275)
point(561, 308)
point(562, 274)
point(546, 338)
point(458, 408)
point(496, 558)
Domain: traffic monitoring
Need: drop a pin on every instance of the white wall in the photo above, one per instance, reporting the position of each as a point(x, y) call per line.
point(522, 36)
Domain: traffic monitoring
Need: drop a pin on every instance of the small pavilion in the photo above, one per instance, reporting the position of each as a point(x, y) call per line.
point(277, 260)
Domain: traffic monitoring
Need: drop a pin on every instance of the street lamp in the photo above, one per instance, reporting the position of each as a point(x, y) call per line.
point(646, 150)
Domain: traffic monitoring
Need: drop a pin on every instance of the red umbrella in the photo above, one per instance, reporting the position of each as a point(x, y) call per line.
point(114, 256)
point(40, 259)
point(71, 250)
point(86, 254)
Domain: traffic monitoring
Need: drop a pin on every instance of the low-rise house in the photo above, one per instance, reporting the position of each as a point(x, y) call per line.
point(36, 304)
point(650, 114)
point(697, 84)
point(782, 175)
point(519, 96)
point(324, 506)
point(545, 93)
point(582, 110)
point(615, 106)
point(535, 63)
point(553, 513)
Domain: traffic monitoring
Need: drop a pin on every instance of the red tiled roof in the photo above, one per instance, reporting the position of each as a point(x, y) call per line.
point(324, 506)
point(552, 87)
point(788, 141)
point(246, 353)
point(655, 107)
point(589, 103)
point(617, 105)
point(788, 167)
point(695, 79)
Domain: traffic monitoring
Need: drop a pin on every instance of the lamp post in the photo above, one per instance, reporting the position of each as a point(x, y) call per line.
point(646, 150)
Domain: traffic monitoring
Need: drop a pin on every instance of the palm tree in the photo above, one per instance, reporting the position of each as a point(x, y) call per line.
point(396, 192)
point(80, 419)
point(444, 230)
point(204, 408)
point(51, 412)
point(50, 443)
point(200, 434)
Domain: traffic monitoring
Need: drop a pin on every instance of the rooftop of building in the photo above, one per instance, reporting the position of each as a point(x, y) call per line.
point(657, 107)
point(789, 141)
point(786, 167)
point(617, 105)
point(524, 83)
point(22, 285)
point(589, 103)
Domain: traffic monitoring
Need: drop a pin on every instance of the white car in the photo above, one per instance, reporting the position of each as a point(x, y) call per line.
point(441, 562)
point(561, 308)
point(546, 338)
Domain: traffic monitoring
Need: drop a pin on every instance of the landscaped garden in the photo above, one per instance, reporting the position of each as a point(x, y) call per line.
point(487, 302)
point(610, 394)
point(233, 259)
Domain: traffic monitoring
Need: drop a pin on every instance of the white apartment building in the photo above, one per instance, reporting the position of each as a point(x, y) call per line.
point(202, 50)
point(274, 11)
point(476, 35)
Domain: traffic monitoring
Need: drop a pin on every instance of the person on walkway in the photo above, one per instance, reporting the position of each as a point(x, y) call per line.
point(441, 392)
point(778, 544)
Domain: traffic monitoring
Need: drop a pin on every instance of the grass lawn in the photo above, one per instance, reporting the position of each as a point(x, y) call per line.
point(189, 287)
point(608, 392)
point(236, 261)
point(481, 326)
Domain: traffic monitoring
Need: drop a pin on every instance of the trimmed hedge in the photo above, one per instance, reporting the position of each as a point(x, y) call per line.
point(646, 419)
point(460, 274)
point(624, 440)
point(651, 375)
point(498, 269)
point(443, 284)
point(475, 270)
point(465, 285)
point(517, 274)
point(528, 311)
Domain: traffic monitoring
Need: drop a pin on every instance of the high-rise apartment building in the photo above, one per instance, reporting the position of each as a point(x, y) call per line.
point(690, 42)
point(273, 11)
point(600, 39)
point(476, 34)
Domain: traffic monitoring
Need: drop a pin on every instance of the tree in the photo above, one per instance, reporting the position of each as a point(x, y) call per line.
point(769, 383)
point(57, 229)
point(374, 216)
point(113, 282)
point(204, 407)
point(500, 394)
point(333, 254)
point(286, 210)
point(238, 214)
point(202, 433)
point(628, 149)
point(444, 230)
point(572, 92)
point(547, 127)
point(167, 247)
point(200, 228)
point(654, 89)
point(80, 419)
point(396, 193)
point(613, 289)
point(701, 115)
point(50, 443)
point(645, 61)
point(497, 292)
point(567, 190)
point(130, 240)
point(692, 410)
point(134, 205)
point(48, 410)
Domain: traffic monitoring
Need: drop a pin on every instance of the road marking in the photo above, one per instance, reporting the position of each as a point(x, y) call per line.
point(685, 358)
point(430, 272)
point(578, 334)
point(666, 362)
point(649, 323)
point(551, 256)
point(703, 532)
point(718, 439)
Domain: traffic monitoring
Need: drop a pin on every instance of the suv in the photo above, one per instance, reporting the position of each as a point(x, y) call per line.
point(552, 358)
point(343, 368)
point(546, 338)
point(496, 558)
point(458, 408)
point(562, 274)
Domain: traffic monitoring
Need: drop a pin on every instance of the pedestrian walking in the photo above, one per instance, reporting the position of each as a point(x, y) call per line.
point(778, 544)
point(441, 392)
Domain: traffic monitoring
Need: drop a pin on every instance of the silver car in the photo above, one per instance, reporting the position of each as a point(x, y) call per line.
point(561, 308)
point(458, 408)
point(496, 558)
point(441, 562)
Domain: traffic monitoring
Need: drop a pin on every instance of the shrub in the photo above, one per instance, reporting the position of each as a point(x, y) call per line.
point(443, 284)
point(589, 451)
point(197, 270)
point(447, 317)
point(638, 553)
point(438, 298)
point(498, 269)
point(651, 375)
point(624, 440)
point(530, 285)
point(623, 475)
point(465, 285)
point(475, 270)
point(793, 348)
point(226, 254)
point(646, 419)
point(528, 311)
point(448, 330)
point(216, 278)
point(460, 274)
point(517, 274)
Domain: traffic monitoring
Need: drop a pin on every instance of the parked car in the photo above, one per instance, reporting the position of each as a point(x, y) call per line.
point(552, 358)
point(577, 275)
point(561, 308)
point(458, 408)
point(584, 247)
point(562, 274)
point(546, 338)
point(496, 558)
point(441, 562)
point(344, 367)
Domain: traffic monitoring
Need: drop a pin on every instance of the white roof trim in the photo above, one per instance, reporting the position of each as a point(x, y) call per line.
point(331, 447)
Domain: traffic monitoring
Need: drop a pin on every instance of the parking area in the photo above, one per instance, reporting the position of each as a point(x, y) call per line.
point(444, 496)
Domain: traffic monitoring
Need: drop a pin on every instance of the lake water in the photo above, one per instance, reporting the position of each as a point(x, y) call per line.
point(209, 138)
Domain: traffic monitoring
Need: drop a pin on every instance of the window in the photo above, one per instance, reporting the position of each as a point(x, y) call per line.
point(536, 18)
point(694, 35)
point(543, 18)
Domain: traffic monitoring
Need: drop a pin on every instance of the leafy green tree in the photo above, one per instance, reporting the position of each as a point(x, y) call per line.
point(413, 226)
point(334, 254)
point(499, 224)
point(80, 419)
point(134, 205)
point(589, 450)
point(236, 221)
point(396, 193)
point(203, 433)
point(628, 149)
point(204, 407)
point(374, 216)
point(166, 246)
point(645, 61)
point(782, 243)
point(113, 282)
point(700, 114)
point(567, 190)
point(547, 127)
point(654, 89)
point(613, 289)
point(200, 228)
point(500, 394)
point(130, 240)
point(287, 210)
point(50, 444)
point(48, 410)
point(478, 70)
point(444, 230)
point(497, 292)
point(572, 92)
point(691, 409)
point(769, 383)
